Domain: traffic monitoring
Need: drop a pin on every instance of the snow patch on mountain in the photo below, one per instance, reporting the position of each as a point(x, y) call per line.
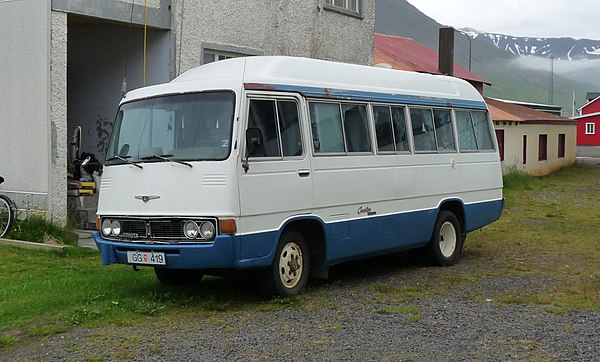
point(558, 48)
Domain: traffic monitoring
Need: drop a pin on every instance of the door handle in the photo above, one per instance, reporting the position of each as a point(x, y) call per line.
point(303, 173)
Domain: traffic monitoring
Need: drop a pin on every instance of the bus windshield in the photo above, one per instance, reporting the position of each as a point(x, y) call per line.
point(184, 127)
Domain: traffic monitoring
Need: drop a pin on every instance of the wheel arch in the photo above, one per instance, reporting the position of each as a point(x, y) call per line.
point(313, 230)
point(457, 207)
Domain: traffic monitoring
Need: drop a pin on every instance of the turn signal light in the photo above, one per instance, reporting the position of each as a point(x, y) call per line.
point(227, 226)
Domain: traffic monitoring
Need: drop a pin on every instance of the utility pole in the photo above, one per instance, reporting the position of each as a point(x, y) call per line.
point(551, 95)
point(470, 45)
point(574, 104)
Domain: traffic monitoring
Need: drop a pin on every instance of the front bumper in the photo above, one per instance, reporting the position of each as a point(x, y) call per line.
point(219, 254)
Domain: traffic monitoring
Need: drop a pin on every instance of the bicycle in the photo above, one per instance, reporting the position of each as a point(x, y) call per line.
point(7, 213)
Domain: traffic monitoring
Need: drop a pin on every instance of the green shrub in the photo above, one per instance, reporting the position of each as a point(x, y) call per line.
point(39, 230)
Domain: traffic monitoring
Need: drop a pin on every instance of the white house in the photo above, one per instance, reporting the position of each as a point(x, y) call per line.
point(66, 63)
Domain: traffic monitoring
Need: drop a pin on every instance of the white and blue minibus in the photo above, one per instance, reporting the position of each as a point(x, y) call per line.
point(287, 166)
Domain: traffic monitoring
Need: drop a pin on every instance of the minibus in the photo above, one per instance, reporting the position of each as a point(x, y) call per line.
point(286, 166)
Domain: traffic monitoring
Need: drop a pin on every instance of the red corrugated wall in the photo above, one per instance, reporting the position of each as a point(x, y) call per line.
point(584, 139)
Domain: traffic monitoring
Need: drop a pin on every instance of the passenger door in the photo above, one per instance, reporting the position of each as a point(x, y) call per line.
point(276, 180)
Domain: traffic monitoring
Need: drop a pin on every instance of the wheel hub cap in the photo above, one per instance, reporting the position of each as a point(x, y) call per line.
point(290, 265)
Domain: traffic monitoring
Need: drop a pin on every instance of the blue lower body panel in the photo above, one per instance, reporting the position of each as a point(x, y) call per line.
point(345, 240)
point(378, 235)
point(481, 214)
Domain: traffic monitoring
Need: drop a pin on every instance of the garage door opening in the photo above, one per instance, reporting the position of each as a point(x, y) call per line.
point(101, 57)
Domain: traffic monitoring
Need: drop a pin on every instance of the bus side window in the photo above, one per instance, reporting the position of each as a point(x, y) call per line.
point(443, 130)
point(399, 121)
point(466, 133)
point(423, 131)
point(290, 129)
point(262, 115)
point(356, 129)
point(383, 128)
point(482, 130)
point(327, 131)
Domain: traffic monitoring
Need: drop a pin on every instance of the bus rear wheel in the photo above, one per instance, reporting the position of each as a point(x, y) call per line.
point(446, 242)
point(178, 277)
point(288, 275)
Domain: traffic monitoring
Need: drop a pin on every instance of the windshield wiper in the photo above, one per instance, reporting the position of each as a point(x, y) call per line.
point(166, 158)
point(125, 159)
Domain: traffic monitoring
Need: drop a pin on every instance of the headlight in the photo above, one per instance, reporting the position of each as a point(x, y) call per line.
point(116, 227)
point(106, 229)
point(207, 230)
point(190, 230)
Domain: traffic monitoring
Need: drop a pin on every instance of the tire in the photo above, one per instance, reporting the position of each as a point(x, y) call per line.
point(178, 277)
point(7, 215)
point(446, 242)
point(289, 273)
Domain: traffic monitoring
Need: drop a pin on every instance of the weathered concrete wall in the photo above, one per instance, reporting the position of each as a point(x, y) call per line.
point(157, 12)
point(277, 27)
point(25, 131)
point(57, 198)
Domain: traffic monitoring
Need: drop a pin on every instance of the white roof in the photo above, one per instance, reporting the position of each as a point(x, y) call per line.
point(298, 74)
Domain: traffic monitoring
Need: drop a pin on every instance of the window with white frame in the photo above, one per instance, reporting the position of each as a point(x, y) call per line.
point(210, 56)
point(590, 128)
point(214, 52)
point(350, 5)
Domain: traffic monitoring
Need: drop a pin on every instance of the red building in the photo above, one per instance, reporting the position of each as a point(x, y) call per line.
point(588, 124)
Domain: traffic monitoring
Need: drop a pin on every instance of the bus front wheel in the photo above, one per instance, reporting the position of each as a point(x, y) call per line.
point(288, 275)
point(445, 245)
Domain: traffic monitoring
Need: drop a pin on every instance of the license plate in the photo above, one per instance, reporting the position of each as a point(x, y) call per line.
point(146, 257)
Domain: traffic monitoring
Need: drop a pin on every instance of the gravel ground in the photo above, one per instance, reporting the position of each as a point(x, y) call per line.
point(355, 323)
point(449, 330)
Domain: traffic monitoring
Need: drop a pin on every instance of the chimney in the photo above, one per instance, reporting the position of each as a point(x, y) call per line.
point(446, 51)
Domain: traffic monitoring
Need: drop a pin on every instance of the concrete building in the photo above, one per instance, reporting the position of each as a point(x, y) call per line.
point(531, 141)
point(66, 63)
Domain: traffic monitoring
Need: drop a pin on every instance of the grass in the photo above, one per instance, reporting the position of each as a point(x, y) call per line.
point(548, 232)
point(47, 292)
point(543, 251)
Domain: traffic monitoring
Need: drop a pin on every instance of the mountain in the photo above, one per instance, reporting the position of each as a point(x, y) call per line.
point(558, 48)
point(528, 79)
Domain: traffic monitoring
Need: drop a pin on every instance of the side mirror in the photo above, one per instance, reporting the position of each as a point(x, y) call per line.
point(254, 144)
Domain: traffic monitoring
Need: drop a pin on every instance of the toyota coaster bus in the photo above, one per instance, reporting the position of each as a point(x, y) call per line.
point(287, 166)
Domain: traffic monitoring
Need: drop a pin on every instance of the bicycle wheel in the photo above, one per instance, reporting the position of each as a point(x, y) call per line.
point(7, 215)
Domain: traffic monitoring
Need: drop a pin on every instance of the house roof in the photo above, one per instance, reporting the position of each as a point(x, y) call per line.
point(590, 101)
point(592, 95)
point(510, 112)
point(408, 54)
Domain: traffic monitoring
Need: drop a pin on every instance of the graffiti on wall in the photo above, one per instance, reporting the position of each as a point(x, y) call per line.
point(103, 130)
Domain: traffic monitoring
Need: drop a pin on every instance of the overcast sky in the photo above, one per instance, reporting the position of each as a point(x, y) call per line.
point(533, 18)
